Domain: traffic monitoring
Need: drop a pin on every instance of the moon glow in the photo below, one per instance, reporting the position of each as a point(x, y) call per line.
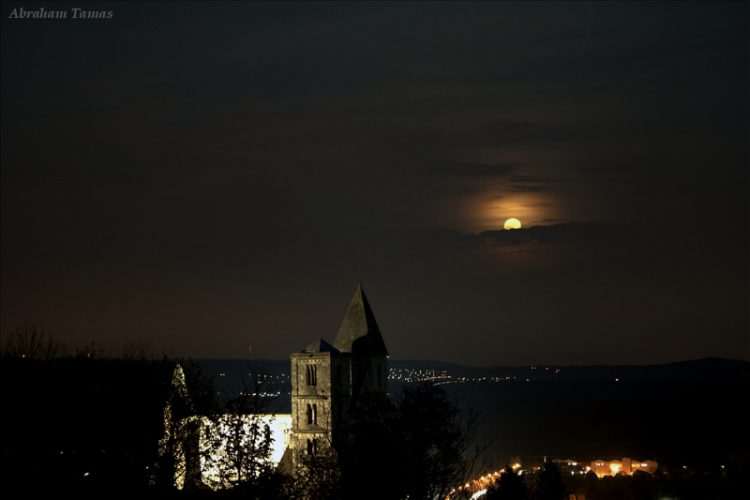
point(512, 223)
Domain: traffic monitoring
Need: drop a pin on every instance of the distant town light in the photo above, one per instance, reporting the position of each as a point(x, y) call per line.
point(627, 466)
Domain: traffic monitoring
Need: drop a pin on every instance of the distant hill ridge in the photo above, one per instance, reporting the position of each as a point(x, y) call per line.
point(692, 370)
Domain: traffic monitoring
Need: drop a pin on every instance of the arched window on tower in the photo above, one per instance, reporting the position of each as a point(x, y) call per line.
point(310, 414)
point(312, 375)
point(312, 446)
point(315, 414)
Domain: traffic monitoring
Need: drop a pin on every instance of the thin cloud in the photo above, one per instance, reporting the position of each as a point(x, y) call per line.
point(470, 169)
point(555, 233)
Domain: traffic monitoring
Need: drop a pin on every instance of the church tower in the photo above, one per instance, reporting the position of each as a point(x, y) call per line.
point(359, 337)
point(327, 379)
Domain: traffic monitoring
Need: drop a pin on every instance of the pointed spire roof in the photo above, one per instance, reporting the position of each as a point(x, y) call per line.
point(359, 323)
point(320, 345)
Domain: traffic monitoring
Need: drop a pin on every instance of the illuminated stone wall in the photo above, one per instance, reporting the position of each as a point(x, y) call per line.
point(222, 446)
point(326, 396)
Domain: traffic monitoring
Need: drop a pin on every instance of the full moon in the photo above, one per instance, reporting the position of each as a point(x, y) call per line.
point(512, 223)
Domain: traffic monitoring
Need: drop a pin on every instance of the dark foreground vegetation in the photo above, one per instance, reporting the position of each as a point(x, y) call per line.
point(84, 420)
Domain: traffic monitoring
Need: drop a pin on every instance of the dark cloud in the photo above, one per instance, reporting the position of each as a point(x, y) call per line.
point(567, 232)
point(468, 169)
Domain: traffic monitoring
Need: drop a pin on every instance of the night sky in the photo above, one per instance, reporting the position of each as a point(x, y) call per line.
point(208, 177)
